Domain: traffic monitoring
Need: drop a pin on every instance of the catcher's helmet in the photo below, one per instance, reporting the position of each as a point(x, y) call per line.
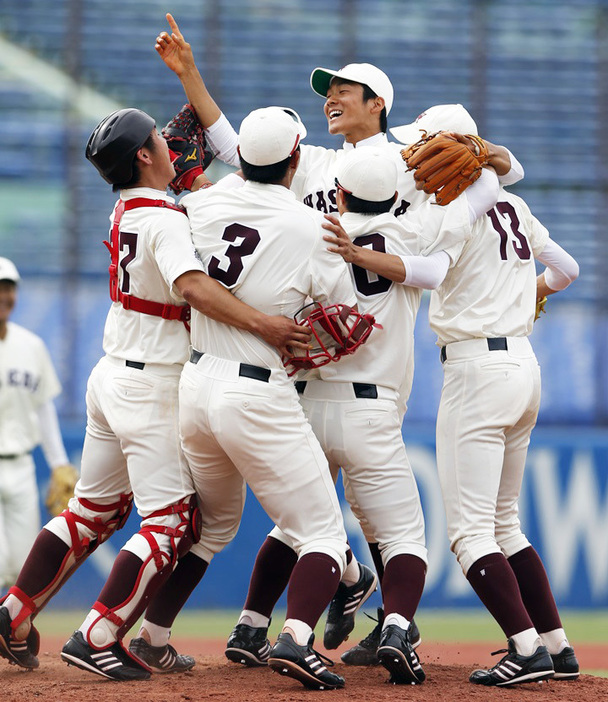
point(115, 141)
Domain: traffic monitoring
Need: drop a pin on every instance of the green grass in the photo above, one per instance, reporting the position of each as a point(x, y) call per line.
point(436, 625)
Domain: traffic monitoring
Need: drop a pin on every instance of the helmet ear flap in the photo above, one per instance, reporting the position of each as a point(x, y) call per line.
point(337, 331)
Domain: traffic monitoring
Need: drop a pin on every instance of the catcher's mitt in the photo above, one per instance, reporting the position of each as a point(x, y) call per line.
point(540, 307)
point(61, 488)
point(446, 163)
point(185, 137)
point(337, 331)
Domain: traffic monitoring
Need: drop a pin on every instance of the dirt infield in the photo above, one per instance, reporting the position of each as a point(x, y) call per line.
point(447, 667)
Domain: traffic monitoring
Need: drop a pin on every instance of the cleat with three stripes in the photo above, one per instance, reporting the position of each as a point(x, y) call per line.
point(161, 659)
point(113, 662)
point(22, 653)
point(303, 663)
point(248, 645)
point(345, 605)
point(515, 668)
point(397, 655)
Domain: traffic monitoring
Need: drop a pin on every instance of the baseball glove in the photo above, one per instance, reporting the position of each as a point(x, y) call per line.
point(61, 488)
point(446, 163)
point(190, 154)
point(540, 307)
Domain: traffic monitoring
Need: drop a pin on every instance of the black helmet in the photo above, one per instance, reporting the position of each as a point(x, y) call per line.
point(115, 141)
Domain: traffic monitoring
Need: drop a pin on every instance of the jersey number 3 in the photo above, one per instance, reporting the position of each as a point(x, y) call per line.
point(250, 238)
point(520, 243)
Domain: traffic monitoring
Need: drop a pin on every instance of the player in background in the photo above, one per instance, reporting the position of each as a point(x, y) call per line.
point(240, 419)
point(28, 385)
point(483, 313)
point(131, 450)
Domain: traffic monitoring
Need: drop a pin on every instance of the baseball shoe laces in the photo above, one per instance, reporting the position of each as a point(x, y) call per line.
point(22, 653)
point(161, 659)
point(303, 663)
point(345, 605)
point(113, 662)
point(514, 668)
point(248, 645)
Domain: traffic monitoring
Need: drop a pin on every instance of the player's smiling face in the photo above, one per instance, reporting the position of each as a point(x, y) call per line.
point(8, 298)
point(348, 114)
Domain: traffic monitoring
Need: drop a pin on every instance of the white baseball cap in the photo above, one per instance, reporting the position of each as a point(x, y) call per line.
point(439, 118)
point(368, 173)
point(8, 270)
point(269, 135)
point(363, 73)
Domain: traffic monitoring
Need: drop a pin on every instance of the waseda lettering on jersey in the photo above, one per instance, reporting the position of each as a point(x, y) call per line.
point(321, 202)
point(318, 201)
point(22, 379)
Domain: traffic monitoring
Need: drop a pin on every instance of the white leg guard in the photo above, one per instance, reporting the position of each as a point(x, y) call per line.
point(164, 536)
point(83, 526)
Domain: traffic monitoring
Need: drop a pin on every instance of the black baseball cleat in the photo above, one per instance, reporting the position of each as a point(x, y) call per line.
point(303, 663)
point(22, 653)
point(248, 645)
point(565, 664)
point(514, 668)
point(397, 655)
point(113, 662)
point(364, 653)
point(344, 605)
point(161, 659)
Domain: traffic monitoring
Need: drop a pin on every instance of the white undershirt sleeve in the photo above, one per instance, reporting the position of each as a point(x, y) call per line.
point(515, 174)
point(52, 443)
point(483, 194)
point(426, 272)
point(561, 269)
point(223, 140)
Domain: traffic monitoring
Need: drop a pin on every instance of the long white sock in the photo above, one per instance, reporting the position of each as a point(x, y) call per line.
point(352, 573)
point(158, 635)
point(301, 630)
point(555, 641)
point(254, 619)
point(526, 642)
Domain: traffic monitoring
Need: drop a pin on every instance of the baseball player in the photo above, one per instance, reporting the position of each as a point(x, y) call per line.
point(355, 408)
point(240, 419)
point(483, 312)
point(28, 384)
point(131, 451)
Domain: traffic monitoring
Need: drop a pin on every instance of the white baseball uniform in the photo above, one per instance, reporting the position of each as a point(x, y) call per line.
point(356, 406)
point(28, 384)
point(132, 439)
point(240, 417)
point(483, 313)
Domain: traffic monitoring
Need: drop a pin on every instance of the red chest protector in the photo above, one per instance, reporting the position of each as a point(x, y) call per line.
point(130, 302)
